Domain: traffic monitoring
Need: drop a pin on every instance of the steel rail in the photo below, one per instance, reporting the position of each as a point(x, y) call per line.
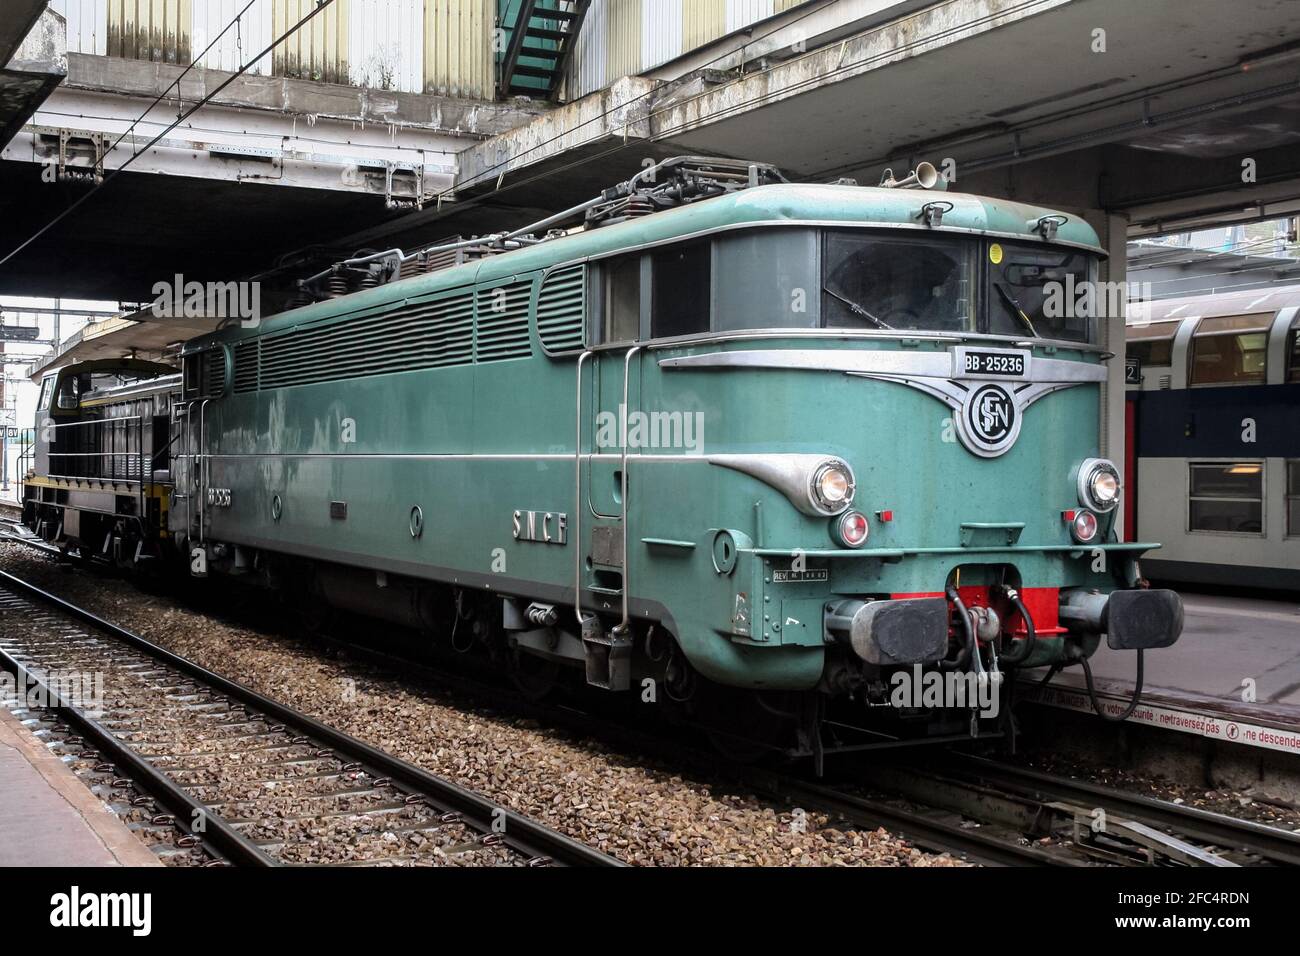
point(1273, 843)
point(225, 839)
point(925, 832)
point(33, 542)
point(519, 833)
point(976, 845)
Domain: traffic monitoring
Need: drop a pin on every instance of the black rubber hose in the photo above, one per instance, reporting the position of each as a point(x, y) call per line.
point(963, 656)
point(1132, 704)
point(1019, 652)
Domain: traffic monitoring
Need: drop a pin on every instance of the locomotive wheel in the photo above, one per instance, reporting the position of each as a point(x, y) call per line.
point(534, 677)
point(739, 750)
point(313, 617)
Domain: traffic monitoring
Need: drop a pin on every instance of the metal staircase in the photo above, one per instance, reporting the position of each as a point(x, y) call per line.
point(542, 37)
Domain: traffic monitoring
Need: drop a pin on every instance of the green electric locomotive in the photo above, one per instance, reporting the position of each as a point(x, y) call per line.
point(761, 452)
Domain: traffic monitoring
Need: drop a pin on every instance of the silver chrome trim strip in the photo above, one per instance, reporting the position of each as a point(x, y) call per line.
point(881, 362)
point(889, 335)
point(789, 474)
point(610, 456)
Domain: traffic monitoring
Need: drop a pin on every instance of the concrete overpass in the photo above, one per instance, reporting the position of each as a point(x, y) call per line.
point(273, 164)
point(1142, 116)
point(33, 50)
point(1142, 110)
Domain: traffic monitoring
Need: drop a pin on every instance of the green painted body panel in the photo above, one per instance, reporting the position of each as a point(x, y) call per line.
point(473, 443)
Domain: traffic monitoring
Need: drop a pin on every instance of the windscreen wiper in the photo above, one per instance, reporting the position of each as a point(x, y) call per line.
point(1015, 307)
point(857, 309)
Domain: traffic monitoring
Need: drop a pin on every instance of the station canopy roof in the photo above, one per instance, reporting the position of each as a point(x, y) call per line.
point(137, 335)
point(1232, 302)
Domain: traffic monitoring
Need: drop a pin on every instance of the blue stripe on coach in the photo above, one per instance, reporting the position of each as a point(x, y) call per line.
point(1210, 422)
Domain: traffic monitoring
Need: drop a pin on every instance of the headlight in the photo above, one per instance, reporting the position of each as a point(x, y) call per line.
point(831, 487)
point(1099, 484)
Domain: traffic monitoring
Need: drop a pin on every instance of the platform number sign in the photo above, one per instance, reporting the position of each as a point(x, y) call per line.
point(1132, 370)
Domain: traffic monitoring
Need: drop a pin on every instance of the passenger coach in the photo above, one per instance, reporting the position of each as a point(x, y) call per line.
point(1214, 407)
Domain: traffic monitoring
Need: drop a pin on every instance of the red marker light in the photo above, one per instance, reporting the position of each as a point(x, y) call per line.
point(885, 515)
point(1067, 516)
point(851, 529)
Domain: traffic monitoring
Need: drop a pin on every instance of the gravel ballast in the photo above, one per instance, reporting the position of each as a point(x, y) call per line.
point(622, 805)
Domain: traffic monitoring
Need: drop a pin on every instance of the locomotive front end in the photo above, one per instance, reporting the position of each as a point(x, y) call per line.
point(916, 496)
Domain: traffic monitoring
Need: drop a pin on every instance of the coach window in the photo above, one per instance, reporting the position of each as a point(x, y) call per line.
point(1293, 359)
point(1293, 497)
point(1230, 350)
point(1152, 345)
point(1226, 497)
point(621, 301)
point(679, 291)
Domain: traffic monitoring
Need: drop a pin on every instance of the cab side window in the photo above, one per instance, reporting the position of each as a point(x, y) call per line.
point(47, 388)
point(621, 299)
point(69, 393)
point(680, 290)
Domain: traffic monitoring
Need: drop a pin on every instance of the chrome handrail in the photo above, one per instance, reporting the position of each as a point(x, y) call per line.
point(627, 575)
point(577, 504)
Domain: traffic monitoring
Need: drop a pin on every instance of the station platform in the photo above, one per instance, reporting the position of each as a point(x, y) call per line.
point(1233, 676)
point(48, 817)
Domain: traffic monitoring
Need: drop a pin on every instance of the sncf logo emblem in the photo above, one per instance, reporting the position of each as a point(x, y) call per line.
point(989, 420)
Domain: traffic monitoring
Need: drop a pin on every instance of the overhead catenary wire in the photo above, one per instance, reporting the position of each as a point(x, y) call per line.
point(1178, 255)
point(321, 5)
point(1182, 258)
point(500, 169)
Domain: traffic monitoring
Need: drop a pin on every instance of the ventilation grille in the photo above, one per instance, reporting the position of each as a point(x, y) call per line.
point(560, 308)
point(246, 358)
point(427, 335)
point(205, 373)
point(502, 331)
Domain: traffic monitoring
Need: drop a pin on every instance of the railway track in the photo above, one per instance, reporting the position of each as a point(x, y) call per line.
point(239, 777)
point(980, 818)
point(980, 810)
point(12, 529)
point(991, 820)
point(1229, 835)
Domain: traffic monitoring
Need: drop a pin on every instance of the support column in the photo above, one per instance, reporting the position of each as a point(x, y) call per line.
point(1113, 230)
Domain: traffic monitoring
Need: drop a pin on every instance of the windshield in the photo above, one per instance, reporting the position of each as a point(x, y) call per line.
point(875, 282)
point(944, 283)
point(1039, 291)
